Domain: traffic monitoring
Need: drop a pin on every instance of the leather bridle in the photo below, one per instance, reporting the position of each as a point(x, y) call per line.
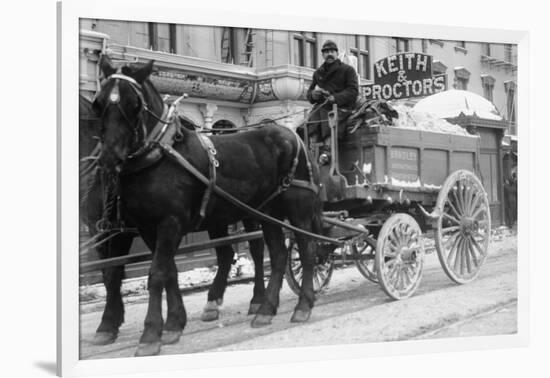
point(138, 129)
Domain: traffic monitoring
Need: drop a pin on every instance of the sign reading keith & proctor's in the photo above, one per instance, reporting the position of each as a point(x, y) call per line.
point(404, 75)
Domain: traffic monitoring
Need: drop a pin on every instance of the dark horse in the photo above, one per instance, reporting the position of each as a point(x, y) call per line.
point(92, 195)
point(164, 199)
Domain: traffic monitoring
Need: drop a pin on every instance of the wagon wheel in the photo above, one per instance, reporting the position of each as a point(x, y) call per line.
point(364, 253)
point(399, 256)
point(322, 271)
point(464, 226)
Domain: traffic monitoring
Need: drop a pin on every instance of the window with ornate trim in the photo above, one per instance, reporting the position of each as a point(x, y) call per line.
point(510, 88)
point(438, 68)
point(304, 49)
point(488, 83)
point(461, 83)
point(361, 52)
point(462, 77)
point(162, 37)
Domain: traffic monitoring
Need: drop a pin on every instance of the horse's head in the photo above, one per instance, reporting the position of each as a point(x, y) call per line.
point(121, 104)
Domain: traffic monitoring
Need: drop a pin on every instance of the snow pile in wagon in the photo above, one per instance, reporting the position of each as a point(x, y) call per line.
point(410, 118)
point(452, 103)
point(430, 113)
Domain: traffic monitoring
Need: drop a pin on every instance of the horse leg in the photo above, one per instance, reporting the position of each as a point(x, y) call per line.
point(225, 255)
point(257, 253)
point(278, 254)
point(176, 315)
point(302, 311)
point(161, 274)
point(305, 213)
point(113, 314)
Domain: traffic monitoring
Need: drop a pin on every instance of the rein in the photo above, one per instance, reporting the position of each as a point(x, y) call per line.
point(169, 151)
point(260, 124)
point(174, 155)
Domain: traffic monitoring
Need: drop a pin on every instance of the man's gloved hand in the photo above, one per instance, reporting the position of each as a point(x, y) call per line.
point(317, 95)
point(331, 99)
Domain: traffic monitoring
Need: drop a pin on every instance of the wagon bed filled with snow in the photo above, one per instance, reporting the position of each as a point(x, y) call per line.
point(401, 164)
point(396, 179)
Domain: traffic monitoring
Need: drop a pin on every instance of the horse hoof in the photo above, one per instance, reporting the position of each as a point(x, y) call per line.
point(104, 338)
point(210, 315)
point(149, 349)
point(170, 337)
point(300, 316)
point(253, 309)
point(261, 321)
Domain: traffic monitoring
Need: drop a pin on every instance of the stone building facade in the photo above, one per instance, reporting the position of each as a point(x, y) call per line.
point(238, 76)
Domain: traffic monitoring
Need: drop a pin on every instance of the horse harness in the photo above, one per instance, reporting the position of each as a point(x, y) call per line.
point(167, 131)
point(357, 119)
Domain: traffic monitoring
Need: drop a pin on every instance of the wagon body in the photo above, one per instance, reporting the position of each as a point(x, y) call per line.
point(386, 163)
point(397, 183)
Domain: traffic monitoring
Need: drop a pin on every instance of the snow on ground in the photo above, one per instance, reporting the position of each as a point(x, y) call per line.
point(502, 238)
point(243, 267)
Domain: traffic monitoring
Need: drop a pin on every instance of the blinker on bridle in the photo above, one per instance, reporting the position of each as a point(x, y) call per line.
point(114, 99)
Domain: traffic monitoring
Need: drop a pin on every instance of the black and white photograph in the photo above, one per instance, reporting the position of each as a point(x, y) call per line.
point(245, 188)
point(252, 190)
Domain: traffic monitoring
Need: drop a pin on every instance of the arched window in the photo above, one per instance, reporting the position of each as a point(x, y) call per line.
point(223, 124)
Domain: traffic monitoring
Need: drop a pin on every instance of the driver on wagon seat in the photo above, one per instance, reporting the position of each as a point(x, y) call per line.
point(335, 82)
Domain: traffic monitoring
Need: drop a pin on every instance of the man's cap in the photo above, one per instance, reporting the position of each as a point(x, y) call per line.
point(329, 45)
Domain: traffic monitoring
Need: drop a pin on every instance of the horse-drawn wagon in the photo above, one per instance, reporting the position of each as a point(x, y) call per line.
point(398, 183)
point(380, 187)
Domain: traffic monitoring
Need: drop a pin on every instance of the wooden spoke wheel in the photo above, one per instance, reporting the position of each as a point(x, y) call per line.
point(464, 227)
point(399, 257)
point(322, 270)
point(364, 251)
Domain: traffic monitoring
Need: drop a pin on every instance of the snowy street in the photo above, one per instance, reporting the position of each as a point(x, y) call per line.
point(351, 310)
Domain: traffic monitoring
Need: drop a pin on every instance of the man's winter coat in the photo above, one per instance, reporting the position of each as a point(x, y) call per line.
point(340, 80)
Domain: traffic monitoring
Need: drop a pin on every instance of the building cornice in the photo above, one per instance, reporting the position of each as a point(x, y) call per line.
point(201, 78)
